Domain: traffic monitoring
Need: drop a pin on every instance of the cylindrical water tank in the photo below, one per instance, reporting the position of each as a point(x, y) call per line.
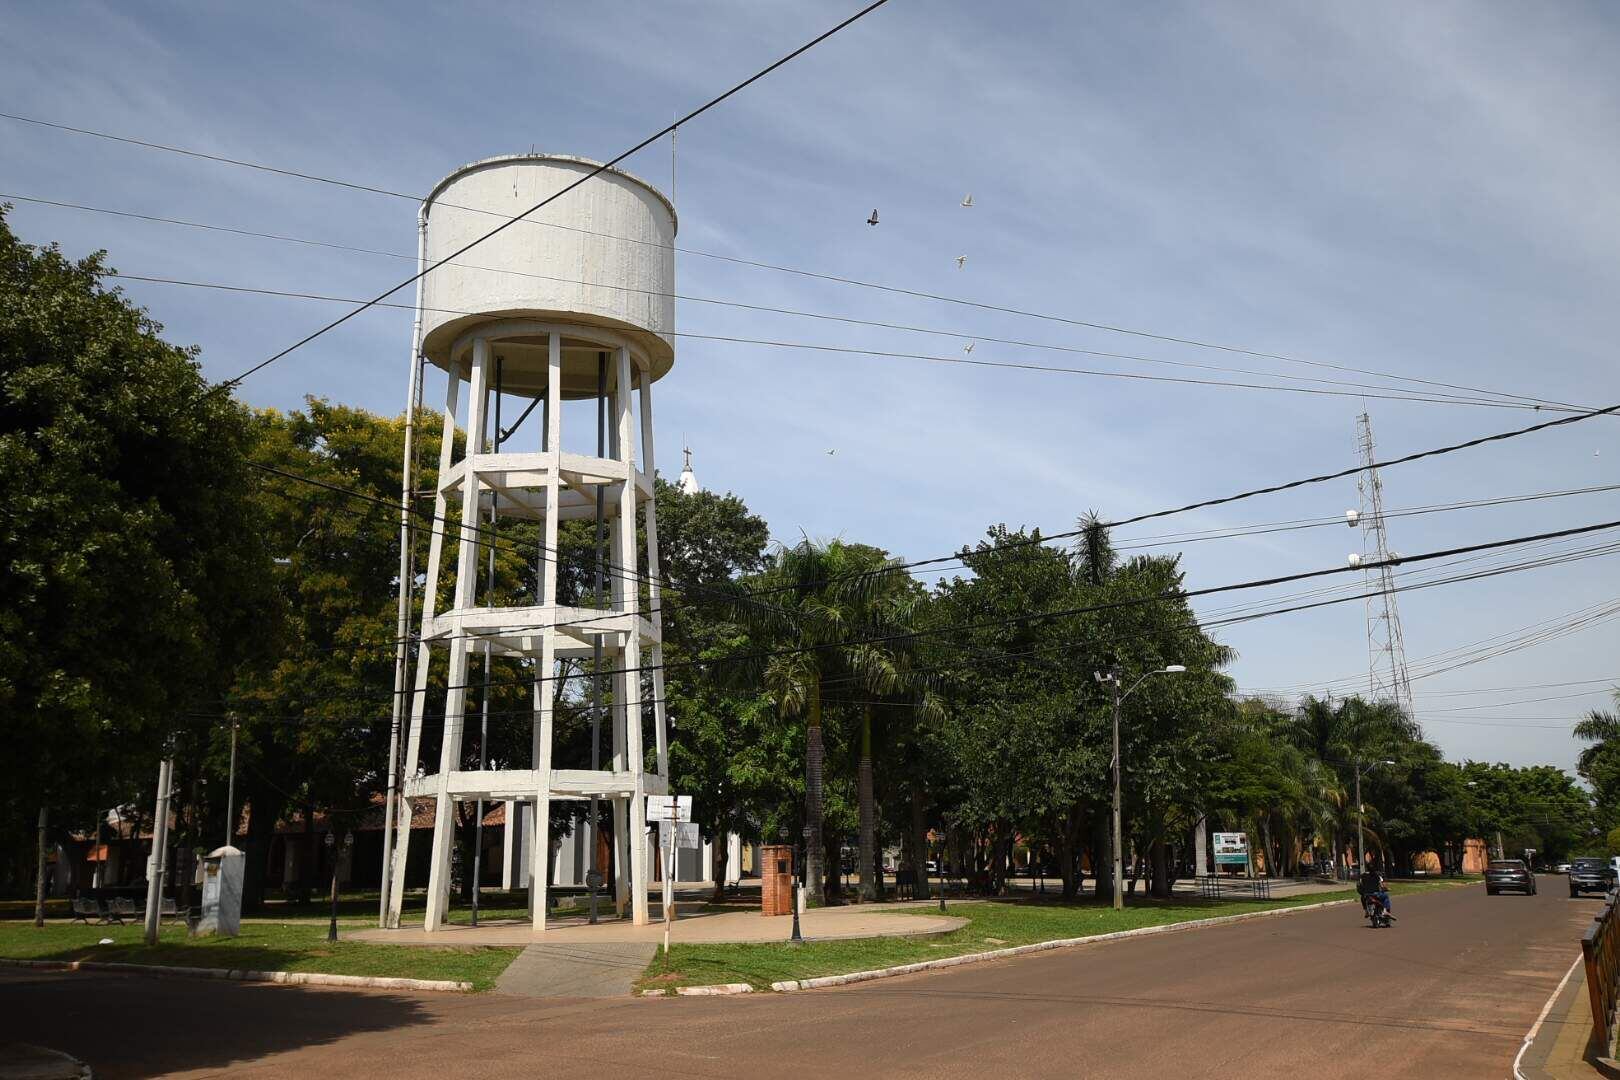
point(602, 255)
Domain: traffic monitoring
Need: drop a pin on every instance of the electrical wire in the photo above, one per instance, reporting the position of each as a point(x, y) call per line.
point(846, 350)
point(1181, 594)
point(958, 335)
point(549, 199)
point(808, 274)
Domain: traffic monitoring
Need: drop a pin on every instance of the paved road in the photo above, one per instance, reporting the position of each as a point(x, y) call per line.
point(1449, 992)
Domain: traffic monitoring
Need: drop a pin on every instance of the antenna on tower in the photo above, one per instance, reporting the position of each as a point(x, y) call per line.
point(1386, 649)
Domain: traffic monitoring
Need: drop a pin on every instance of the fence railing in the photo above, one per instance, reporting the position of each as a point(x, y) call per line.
point(1600, 947)
point(1215, 888)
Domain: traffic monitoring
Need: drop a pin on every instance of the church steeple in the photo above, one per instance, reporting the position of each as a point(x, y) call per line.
point(688, 481)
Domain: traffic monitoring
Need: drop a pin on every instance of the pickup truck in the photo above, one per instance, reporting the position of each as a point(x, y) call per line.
point(1590, 875)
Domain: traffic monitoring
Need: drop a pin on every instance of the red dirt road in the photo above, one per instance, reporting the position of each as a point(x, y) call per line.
point(1450, 991)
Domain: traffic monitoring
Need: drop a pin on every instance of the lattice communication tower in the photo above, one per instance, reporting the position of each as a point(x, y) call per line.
point(1386, 650)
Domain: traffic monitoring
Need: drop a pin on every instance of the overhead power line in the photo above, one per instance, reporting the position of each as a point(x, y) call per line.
point(596, 171)
point(966, 361)
point(1179, 594)
point(815, 275)
point(1062, 648)
point(957, 335)
point(1042, 539)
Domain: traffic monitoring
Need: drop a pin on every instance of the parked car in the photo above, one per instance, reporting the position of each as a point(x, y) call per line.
point(1563, 868)
point(1590, 875)
point(1510, 874)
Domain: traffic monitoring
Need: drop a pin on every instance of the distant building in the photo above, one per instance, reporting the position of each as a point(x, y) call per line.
point(688, 480)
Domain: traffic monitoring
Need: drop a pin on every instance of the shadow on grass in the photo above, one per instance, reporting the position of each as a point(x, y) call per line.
point(130, 1026)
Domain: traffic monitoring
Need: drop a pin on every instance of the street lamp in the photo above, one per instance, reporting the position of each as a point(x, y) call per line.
point(1361, 809)
point(1112, 677)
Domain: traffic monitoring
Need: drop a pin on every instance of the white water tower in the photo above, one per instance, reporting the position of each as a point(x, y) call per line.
point(565, 318)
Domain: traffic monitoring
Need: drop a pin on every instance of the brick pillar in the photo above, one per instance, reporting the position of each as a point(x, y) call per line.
point(776, 879)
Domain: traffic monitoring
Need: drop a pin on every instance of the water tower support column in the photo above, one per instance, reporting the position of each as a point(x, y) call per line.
point(467, 559)
point(629, 585)
point(545, 687)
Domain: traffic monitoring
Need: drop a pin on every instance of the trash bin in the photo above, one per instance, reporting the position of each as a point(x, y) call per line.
point(776, 879)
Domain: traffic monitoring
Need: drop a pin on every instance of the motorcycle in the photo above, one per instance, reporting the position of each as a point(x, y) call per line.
point(1376, 913)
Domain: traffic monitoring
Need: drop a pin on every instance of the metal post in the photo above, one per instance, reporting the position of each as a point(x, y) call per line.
point(1119, 847)
point(230, 801)
point(1361, 855)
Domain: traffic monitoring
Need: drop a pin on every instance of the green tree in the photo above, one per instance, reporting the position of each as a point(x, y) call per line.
point(818, 598)
point(707, 541)
point(1599, 763)
point(135, 573)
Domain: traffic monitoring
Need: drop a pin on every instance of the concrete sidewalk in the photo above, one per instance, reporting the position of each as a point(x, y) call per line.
point(693, 925)
point(1562, 1046)
point(594, 970)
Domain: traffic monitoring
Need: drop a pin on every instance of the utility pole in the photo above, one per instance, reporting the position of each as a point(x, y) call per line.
point(1113, 678)
point(1119, 853)
point(1361, 856)
point(160, 842)
point(230, 794)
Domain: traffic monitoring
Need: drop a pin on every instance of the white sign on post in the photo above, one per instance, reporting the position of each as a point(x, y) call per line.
point(676, 811)
point(669, 808)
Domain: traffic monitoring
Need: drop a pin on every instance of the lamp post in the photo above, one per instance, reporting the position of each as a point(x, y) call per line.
point(331, 848)
point(1361, 810)
point(798, 890)
point(1112, 677)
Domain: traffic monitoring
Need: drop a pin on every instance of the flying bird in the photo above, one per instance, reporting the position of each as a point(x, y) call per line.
point(968, 348)
point(961, 261)
point(873, 219)
point(967, 200)
point(830, 453)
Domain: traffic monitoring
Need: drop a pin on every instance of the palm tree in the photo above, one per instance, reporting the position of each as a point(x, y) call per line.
point(1598, 728)
point(821, 596)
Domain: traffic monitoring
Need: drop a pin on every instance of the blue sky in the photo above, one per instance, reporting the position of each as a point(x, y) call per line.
point(1427, 190)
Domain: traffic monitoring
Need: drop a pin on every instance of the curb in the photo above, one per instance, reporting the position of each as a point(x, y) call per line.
point(712, 990)
point(286, 978)
point(1041, 946)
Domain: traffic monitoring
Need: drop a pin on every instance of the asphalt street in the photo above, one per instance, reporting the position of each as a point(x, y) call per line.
point(1450, 991)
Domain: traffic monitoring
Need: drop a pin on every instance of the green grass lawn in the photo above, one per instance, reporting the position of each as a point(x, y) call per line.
point(291, 939)
point(992, 924)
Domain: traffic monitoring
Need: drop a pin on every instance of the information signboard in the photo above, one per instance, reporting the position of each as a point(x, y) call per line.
point(1231, 849)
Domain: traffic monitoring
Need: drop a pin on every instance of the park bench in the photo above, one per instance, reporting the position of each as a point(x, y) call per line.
point(84, 907)
point(122, 907)
point(905, 884)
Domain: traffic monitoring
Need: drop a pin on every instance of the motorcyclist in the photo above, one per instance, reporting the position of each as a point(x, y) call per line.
point(1372, 886)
